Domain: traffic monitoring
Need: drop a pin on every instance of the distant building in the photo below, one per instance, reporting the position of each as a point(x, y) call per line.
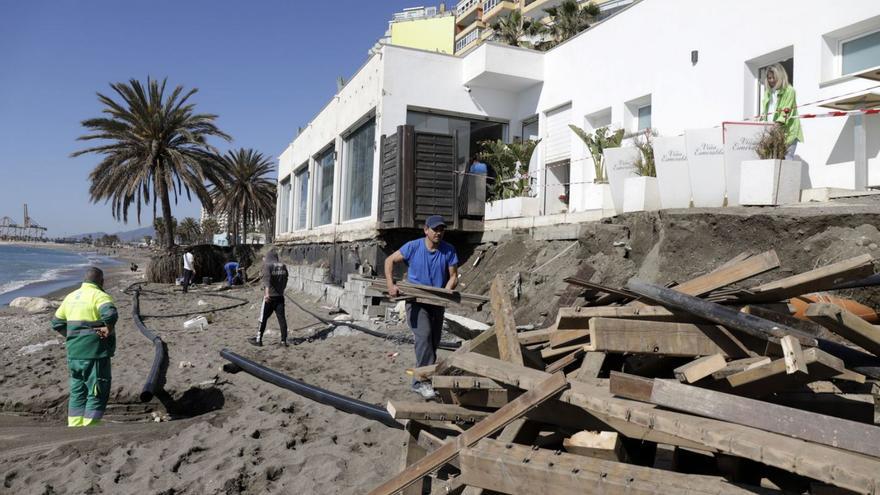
point(424, 28)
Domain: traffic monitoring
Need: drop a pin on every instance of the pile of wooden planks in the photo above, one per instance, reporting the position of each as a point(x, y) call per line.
point(426, 294)
point(651, 389)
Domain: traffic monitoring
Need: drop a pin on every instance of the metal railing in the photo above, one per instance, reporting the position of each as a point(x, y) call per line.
point(489, 5)
point(464, 6)
point(414, 14)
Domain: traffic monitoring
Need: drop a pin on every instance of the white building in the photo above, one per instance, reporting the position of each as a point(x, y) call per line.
point(633, 70)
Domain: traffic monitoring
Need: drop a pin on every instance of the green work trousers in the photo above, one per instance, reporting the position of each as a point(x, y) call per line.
point(89, 390)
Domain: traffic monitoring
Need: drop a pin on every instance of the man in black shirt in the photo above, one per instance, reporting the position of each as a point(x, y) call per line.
point(274, 282)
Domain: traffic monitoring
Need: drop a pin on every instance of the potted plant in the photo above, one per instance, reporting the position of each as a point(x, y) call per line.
point(596, 195)
point(509, 194)
point(772, 180)
point(641, 193)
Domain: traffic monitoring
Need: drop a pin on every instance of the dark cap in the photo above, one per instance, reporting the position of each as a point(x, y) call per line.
point(435, 221)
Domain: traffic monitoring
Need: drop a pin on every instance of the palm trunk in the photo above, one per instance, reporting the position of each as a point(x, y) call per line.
point(162, 189)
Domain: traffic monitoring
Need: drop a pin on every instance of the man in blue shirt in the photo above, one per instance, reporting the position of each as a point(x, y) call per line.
point(434, 262)
point(231, 269)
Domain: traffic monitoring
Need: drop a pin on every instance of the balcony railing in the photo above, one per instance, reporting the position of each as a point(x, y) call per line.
point(464, 6)
point(468, 39)
point(415, 13)
point(490, 4)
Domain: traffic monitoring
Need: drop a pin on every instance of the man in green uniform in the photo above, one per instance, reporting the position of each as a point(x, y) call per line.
point(88, 315)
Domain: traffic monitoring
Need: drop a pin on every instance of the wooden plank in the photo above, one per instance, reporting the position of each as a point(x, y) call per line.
point(430, 443)
point(722, 315)
point(536, 336)
point(738, 365)
point(631, 386)
point(730, 274)
point(564, 361)
point(560, 338)
point(579, 318)
point(772, 377)
point(599, 444)
point(660, 338)
point(818, 428)
point(413, 451)
point(644, 421)
point(699, 368)
point(822, 278)
point(793, 355)
point(560, 351)
point(491, 398)
point(505, 326)
point(423, 372)
point(590, 366)
point(494, 422)
point(847, 325)
point(463, 383)
point(521, 470)
point(433, 411)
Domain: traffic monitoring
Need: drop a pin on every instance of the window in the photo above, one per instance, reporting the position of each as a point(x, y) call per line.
point(358, 153)
point(302, 196)
point(530, 129)
point(284, 206)
point(860, 53)
point(325, 163)
point(644, 116)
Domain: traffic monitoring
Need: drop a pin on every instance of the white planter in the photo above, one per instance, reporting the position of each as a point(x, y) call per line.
point(619, 165)
point(740, 140)
point(673, 176)
point(595, 197)
point(641, 194)
point(705, 152)
point(511, 208)
point(770, 182)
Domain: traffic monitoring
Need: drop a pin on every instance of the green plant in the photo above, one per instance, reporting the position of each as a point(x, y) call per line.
point(596, 143)
point(510, 161)
point(645, 166)
point(570, 18)
point(516, 30)
point(772, 145)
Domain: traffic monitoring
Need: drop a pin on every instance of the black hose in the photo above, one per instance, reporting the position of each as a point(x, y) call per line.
point(449, 346)
point(317, 394)
point(160, 356)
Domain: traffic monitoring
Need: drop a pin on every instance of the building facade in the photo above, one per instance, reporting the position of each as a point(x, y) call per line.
point(628, 71)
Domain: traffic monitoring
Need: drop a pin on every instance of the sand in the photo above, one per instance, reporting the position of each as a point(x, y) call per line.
point(228, 433)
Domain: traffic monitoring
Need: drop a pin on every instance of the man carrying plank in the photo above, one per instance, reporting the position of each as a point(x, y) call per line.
point(434, 262)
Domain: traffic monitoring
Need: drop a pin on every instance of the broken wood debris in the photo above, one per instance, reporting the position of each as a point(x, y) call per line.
point(730, 388)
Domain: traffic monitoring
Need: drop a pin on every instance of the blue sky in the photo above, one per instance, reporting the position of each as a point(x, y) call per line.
point(264, 66)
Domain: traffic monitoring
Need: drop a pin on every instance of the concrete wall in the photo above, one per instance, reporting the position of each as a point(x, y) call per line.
point(432, 34)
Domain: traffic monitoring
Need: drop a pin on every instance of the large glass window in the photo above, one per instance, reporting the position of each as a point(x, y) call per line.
point(860, 53)
point(324, 187)
point(644, 117)
point(358, 155)
point(284, 206)
point(302, 197)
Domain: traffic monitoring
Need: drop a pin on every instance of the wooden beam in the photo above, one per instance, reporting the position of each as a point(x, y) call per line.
point(464, 382)
point(521, 470)
point(568, 337)
point(560, 351)
point(433, 411)
point(413, 451)
point(430, 442)
point(590, 366)
point(660, 338)
point(730, 274)
point(599, 444)
point(423, 372)
point(536, 336)
point(822, 278)
point(579, 318)
point(738, 365)
point(818, 428)
point(505, 326)
point(722, 315)
point(494, 422)
point(772, 377)
point(847, 325)
point(793, 355)
point(630, 386)
point(699, 368)
point(564, 361)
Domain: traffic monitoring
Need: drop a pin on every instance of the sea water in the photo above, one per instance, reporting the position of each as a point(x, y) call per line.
point(37, 271)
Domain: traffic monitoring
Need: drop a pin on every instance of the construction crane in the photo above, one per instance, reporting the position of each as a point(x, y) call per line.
point(29, 230)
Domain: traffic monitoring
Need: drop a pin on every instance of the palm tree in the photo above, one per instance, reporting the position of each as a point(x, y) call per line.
point(161, 231)
point(513, 29)
point(210, 227)
point(190, 231)
point(155, 145)
point(246, 193)
point(569, 19)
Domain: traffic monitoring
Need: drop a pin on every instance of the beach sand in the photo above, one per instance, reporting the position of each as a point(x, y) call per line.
point(230, 433)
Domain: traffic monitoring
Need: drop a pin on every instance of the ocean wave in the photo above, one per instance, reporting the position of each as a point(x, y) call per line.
point(46, 276)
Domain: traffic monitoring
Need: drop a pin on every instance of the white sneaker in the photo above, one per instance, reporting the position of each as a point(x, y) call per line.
point(425, 390)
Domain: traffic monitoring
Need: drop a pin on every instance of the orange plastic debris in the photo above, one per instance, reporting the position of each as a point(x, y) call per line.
point(799, 305)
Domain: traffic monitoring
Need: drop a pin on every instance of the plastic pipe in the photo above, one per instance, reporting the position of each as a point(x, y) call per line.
point(317, 394)
point(159, 357)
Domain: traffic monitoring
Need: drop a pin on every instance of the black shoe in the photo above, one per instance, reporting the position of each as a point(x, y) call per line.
point(284, 343)
point(255, 342)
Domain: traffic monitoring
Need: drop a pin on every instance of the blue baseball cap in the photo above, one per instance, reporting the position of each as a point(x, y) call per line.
point(435, 221)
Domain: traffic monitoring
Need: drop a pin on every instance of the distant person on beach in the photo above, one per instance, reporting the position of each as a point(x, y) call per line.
point(779, 105)
point(133, 267)
point(430, 261)
point(274, 282)
point(88, 315)
point(232, 276)
point(189, 272)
